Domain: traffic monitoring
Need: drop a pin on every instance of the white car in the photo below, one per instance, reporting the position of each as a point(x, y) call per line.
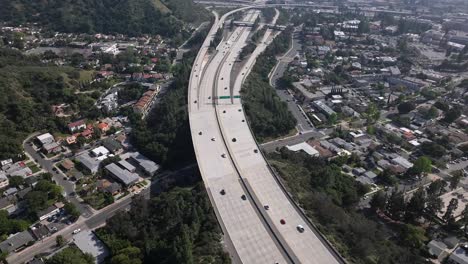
point(300, 228)
point(76, 231)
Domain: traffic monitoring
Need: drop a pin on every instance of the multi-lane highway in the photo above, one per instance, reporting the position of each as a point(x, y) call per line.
point(260, 221)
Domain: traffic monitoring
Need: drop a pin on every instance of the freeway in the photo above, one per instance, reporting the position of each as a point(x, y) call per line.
point(244, 228)
point(261, 222)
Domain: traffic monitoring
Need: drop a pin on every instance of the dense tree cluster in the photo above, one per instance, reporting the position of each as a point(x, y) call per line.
point(176, 227)
point(133, 17)
point(165, 135)
point(328, 197)
point(268, 115)
point(71, 255)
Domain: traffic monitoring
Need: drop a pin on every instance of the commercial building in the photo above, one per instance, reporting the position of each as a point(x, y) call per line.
point(89, 243)
point(322, 107)
point(124, 176)
point(145, 164)
point(49, 211)
point(304, 147)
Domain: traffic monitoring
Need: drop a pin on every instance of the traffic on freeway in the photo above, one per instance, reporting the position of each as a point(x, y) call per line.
point(260, 222)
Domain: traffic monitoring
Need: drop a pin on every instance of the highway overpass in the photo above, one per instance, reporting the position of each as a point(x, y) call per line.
point(261, 222)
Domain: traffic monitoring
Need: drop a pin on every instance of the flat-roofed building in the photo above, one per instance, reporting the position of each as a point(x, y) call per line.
point(89, 243)
point(126, 165)
point(46, 138)
point(125, 177)
point(304, 147)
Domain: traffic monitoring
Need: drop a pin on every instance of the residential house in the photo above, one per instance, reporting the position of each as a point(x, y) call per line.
point(7, 202)
point(77, 125)
point(112, 188)
point(459, 255)
point(437, 249)
point(4, 182)
point(112, 145)
point(46, 138)
point(40, 232)
point(16, 242)
point(52, 147)
point(67, 164)
point(91, 164)
point(103, 127)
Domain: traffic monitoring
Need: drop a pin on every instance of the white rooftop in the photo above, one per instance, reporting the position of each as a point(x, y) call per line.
point(100, 151)
point(44, 138)
point(304, 147)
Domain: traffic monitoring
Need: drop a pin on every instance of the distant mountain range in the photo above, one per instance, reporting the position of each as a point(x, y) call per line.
point(130, 17)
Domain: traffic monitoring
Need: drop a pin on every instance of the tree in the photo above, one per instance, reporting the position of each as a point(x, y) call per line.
point(412, 236)
point(451, 115)
point(432, 113)
point(432, 149)
point(436, 187)
point(465, 216)
point(71, 255)
point(332, 118)
point(396, 205)
point(379, 201)
point(453, 205)
point(422, 165)
point(416, 205)
point(405, 107)
point(72, 210)
point(16, 181)
point(455, 179)
point(434, 205)
point(372, 113)
point(387, 177)
point(60, 241)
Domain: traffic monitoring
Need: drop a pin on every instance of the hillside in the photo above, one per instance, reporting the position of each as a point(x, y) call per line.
point(28, 89)
point(130, 17)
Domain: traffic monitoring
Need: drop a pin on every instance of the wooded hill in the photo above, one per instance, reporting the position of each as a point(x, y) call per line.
point(130, 17)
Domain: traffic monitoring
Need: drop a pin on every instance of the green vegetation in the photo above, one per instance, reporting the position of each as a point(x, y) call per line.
point(329, 198)
point(165, 135)
point(268, 14)
point(98, 200)
point(178, 226)
point(131, 92)
point(71, 255)
point(28, 90)
point(60, 241)
point(44, 194)
point(268, 115)
point(10, 226)
point(133, 17)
